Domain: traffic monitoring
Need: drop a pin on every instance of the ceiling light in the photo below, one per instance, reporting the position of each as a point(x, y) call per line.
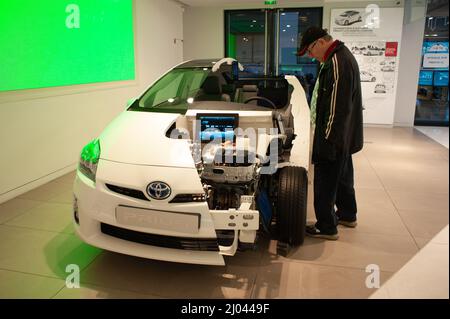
point(288, 26)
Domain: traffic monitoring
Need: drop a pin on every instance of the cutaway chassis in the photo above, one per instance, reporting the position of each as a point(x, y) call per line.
point(245, 221)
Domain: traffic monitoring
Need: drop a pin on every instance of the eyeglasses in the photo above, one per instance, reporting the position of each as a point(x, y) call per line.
point(312, 46)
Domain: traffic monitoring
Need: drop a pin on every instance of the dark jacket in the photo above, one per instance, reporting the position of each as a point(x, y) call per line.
point(339, 112)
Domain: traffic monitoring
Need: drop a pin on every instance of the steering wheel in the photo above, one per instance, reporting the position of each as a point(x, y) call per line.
point(262, 99)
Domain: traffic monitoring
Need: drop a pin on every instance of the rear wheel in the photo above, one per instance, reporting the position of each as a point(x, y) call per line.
point(292, 194)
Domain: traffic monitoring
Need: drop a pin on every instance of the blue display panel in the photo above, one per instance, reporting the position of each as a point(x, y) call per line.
point(217, 126)
point(435, 47)
point(441, 78)
point(426, 78)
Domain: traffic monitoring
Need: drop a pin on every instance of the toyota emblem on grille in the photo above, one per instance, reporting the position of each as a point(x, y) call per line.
point(158, 190)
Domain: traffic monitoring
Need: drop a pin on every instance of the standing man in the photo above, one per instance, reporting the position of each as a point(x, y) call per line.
point(336, 111)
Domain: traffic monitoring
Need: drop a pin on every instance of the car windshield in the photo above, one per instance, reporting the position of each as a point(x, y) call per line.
point(173, 92)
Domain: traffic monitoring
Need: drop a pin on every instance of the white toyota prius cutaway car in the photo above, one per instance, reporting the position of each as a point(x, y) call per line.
point(198, 166)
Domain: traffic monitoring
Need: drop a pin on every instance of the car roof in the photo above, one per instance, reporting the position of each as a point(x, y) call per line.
point(204, 63)
point(350, 12)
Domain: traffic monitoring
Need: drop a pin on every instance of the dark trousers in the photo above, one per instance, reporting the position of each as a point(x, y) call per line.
point(334, 185)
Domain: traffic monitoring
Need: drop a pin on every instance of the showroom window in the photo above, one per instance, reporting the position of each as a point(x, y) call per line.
point(265, 41)
point(432, 92)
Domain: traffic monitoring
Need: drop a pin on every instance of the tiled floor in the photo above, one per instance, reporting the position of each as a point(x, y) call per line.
point(439, 134)
point(402, 192)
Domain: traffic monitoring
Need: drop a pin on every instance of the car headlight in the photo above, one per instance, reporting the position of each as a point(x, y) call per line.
point(89, 159)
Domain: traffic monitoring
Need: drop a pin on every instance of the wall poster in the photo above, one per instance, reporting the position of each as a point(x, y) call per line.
point(373, 35)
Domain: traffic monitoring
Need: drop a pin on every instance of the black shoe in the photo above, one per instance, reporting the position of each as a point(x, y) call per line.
point(347, 223)
point(312, 231)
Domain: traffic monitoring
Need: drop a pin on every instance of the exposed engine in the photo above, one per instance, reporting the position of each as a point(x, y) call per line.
point(227, 173)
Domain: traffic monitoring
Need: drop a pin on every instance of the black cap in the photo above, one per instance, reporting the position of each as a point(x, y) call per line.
point(309, 36)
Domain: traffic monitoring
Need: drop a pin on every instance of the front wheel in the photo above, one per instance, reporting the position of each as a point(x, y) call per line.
point(291, 205)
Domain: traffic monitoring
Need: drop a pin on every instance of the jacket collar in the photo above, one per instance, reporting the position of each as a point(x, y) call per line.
point(331, 49)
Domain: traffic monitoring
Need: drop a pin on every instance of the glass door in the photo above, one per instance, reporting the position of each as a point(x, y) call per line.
point(291, 24)
point(266, 41)
point(432, 92)
point(245, 39)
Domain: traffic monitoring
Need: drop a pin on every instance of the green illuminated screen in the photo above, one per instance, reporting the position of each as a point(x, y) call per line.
point(50, 43)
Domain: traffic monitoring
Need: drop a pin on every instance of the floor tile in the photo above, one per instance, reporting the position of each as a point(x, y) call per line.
point(376, 214)
point(439, 134)
point(299, 280)
point(48, 216)
point(421, 241)
point(367, 179)
point(355, 250)
point(170, 280)
point(96, 292)
point(65, 197)
point(16, 285)
point(67, 178)
point(42, 252)
point(441, 237)
point(422, 201)
point(424, 277)
point(45, 192)
point(410, 173)
point(423, 223)
point(16, 207)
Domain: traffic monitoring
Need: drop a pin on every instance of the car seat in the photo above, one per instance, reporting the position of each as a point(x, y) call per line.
point(211, 90)
point(247, 91)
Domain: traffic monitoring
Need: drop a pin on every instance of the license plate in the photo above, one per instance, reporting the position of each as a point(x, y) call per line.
point(160, 220)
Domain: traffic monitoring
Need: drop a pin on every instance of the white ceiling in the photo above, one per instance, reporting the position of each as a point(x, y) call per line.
point(222, 3)
point(259, 3)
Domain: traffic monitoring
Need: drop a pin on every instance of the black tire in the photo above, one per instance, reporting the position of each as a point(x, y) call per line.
point(292, 195)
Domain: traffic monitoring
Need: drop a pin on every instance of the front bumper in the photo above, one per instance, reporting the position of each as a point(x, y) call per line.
point(100, 224)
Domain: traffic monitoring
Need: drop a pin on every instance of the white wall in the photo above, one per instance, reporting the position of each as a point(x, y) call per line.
point(203, 33)
point(42, 131)
point(410, 59)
